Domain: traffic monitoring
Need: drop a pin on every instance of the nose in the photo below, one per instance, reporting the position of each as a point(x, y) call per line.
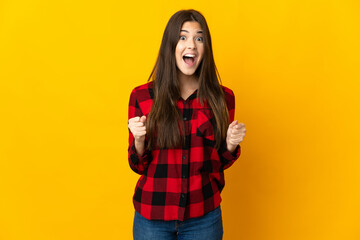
point(191, 44)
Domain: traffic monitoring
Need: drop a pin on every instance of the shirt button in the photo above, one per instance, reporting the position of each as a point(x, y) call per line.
point(185, 102)
point(182, 195)
point(183, 176)
point(184, 157)
point(185, 118)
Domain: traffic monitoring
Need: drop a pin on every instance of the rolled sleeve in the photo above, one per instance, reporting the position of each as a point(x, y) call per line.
point(138, 163)
point(228, 158)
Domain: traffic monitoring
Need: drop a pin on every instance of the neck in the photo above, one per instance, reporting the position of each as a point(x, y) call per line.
point(188, 82)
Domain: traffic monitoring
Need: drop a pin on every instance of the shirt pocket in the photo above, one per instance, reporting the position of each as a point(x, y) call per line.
point(205, 125)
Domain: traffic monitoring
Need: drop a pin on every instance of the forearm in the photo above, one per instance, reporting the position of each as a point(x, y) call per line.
point(140, 147)
point(231, 148)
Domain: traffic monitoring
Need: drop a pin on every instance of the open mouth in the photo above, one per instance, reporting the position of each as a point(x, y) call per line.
point(190, 61)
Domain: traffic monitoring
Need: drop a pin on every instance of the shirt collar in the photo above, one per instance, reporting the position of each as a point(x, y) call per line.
point(191, 97)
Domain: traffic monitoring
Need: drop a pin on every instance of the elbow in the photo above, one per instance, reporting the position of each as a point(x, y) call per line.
point(136, 168)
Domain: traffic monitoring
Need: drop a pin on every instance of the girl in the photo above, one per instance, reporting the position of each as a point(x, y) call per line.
point(182, 136)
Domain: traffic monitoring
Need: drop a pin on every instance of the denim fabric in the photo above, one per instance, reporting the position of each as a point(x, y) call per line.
point(207, 227)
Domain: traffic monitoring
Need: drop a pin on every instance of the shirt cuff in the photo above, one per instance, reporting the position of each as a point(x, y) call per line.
point(137, 158)
point(232, 155)
point(228, 158)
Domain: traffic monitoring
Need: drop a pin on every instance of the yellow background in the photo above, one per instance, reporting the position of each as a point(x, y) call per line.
point(66, 72)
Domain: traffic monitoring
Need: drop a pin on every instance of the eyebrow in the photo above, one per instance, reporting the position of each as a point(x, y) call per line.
point(188, 31)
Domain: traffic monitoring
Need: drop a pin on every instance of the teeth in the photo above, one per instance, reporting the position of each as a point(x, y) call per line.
point(189, 55)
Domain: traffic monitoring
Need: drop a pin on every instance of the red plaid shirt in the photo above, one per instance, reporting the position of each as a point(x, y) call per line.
point(180, 183)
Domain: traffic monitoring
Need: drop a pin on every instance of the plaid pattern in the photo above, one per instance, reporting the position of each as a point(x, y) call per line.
point(186, 182)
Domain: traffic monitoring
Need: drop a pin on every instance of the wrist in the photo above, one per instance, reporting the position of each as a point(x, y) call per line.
point(231, 148)
point(139, 146)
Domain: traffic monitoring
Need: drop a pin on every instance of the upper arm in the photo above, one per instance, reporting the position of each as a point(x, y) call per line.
point(134, 107)
point(230, 103)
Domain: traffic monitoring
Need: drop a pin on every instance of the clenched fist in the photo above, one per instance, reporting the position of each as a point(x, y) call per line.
point(235, 135)
point(138, 129)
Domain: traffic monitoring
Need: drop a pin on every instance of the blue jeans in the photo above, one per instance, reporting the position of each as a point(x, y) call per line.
point(207, 227)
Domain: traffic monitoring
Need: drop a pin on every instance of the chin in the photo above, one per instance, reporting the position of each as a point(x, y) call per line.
point(188, 72)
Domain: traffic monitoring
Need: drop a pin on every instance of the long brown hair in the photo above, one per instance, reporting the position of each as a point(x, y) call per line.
point(164, 112)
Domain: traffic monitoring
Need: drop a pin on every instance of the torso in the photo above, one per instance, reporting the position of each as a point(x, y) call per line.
point(187, 180)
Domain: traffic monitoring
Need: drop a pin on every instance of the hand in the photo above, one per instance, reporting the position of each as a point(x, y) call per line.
point(138, 128)
point(235, 135)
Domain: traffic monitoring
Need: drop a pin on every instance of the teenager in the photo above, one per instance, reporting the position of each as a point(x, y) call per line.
point(182, 136)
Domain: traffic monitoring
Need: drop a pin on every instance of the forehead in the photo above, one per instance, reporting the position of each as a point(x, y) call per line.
point(192, 26)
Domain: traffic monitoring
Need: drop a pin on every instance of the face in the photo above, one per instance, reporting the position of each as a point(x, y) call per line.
point(190, 48)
